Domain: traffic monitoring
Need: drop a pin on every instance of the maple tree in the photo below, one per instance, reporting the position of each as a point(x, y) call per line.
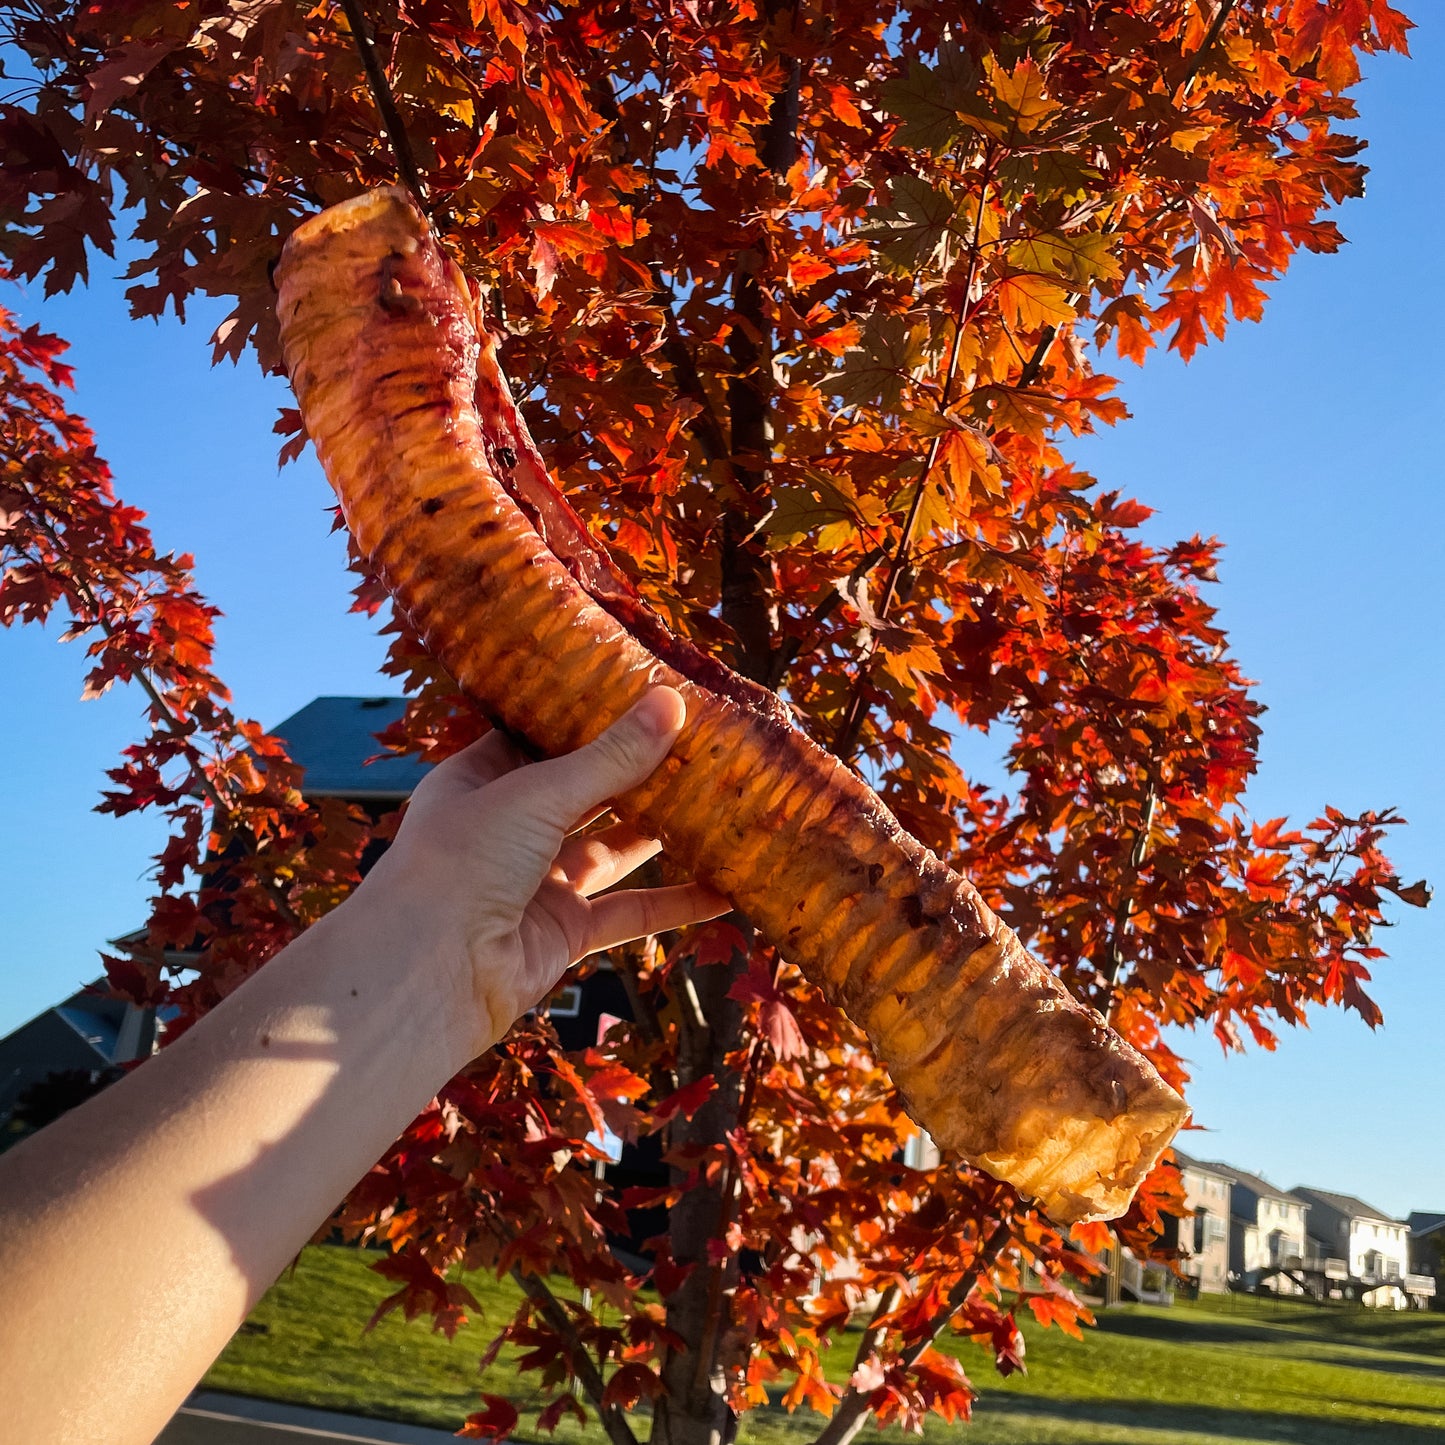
point(803, 302)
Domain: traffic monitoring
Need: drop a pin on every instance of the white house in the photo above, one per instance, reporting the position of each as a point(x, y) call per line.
point(1376, 1247)
point(1267, 1233)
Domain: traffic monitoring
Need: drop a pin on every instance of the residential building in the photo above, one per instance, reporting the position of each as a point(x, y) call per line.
point(1266, 1233)
point(66, 1053)
point(1204, 1230)
point(1375, 1247)
point(1427, 1251)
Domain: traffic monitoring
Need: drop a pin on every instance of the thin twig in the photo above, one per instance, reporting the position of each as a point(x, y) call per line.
point(1035, 363)
point(173, 724)
point(846, 737)
point(1123, 915)
point(852, 1412)
point(613, 1420)
point(958, 1296)
point(385, 103)
point(704, 425)
point(789, 651)
point(660, 115)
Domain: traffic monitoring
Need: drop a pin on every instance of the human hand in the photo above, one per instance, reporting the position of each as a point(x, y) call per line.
point(483, 862)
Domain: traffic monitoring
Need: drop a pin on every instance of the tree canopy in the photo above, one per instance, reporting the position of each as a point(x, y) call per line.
point(803, 303)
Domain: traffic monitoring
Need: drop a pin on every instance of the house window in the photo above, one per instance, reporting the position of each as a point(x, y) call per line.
point(567, 1003)
point(920, 1152)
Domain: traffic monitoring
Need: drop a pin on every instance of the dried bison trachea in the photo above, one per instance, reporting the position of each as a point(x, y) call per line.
point(401, 393)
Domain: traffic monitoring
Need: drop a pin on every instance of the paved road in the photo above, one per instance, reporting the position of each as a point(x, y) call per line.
point(210, 1418)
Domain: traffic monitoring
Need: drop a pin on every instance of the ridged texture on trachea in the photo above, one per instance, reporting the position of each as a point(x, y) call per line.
point(992, 1056)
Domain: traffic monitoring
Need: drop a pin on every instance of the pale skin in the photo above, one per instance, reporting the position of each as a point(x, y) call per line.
point(137, 1231)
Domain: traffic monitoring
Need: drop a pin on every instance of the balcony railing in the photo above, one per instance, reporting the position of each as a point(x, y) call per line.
point(1338, 1271)
point(1381, 1274)
point(1325, 1265)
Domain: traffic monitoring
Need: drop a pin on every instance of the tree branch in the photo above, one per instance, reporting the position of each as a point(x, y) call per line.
point(396, 135)
point(704, 425)
point(730, 1189)
point(789, 651)
point(693, 1407)
point(613, 1420)
point(1035, 363)
point(1205, 46)
point(627, 960)
point(958, 1296)
point(875, 1331)
point(852, 1412)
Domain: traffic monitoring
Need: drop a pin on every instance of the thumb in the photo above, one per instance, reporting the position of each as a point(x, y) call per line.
point(623, 756)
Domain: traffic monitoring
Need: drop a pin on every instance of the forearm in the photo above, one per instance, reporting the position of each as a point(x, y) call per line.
point(137, 1231)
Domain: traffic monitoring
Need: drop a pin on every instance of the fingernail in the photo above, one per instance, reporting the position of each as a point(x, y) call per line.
point(657, 714)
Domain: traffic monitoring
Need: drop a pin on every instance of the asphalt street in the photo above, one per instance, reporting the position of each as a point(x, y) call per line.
point(210, 1418)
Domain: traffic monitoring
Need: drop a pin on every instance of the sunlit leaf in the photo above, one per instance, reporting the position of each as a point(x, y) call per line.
point(911, 226)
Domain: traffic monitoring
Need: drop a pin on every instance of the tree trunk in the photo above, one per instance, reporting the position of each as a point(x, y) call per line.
point(746, 582)
point(693, 1408)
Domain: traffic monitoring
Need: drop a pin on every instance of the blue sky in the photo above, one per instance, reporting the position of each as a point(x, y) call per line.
point(1308, 443)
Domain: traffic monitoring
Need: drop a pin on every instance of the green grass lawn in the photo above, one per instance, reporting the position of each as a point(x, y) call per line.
point(1229, 1371)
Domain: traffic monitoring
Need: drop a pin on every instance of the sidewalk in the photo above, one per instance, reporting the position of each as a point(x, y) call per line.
point(211, 1418)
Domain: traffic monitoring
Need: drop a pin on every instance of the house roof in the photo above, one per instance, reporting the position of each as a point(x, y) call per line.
point(100, 1029)
point(1422, 1223)
point(334, 739)
point(1345, 1204)
point(1257, 1186)
point(89, 1013)
point(1188, 1161)
point(87, 1033)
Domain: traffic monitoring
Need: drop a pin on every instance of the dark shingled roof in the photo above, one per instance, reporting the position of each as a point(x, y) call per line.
point(1345, 1204)
point(1262, 1188)
point(1188, 1161)
point(1421, 1222)
point(334, 739)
